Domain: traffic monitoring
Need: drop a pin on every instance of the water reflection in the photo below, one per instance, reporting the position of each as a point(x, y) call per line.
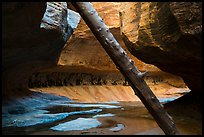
point(52, 116)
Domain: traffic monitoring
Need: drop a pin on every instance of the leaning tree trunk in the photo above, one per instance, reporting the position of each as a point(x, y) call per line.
point(126, 66)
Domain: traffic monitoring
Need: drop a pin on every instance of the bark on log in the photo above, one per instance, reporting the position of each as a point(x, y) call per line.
point(126, 66)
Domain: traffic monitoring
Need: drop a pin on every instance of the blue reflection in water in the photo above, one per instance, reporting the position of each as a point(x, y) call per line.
point(33, 110)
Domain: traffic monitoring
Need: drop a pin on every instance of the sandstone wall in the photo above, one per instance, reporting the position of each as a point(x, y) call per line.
point(167, 35)
point(30, 45)
point(83, 49)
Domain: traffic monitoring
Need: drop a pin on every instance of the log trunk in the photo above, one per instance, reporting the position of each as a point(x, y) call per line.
point(126, 66)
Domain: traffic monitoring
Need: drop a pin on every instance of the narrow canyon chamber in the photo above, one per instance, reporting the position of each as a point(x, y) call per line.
point(56, 73)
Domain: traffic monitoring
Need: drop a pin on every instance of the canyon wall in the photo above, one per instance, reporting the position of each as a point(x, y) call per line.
point(83, 49)
point(38, 47)
point(167, 35)
point(83, 61)
point(34, 42)
point(30, 44)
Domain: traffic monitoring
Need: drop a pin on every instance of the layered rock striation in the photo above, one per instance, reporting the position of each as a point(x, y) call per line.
point(83, 49)
point(167, 35)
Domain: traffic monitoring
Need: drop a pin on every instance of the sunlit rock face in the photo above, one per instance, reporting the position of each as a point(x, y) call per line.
point(167, 35)
point(83, 49)
point(30, 44)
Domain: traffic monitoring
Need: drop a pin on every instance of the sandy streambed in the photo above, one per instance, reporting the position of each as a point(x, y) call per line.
point(89, 110)
point(94, 94)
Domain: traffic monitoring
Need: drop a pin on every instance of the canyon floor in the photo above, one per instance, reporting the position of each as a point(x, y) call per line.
point(134, 116)
point(115, 107)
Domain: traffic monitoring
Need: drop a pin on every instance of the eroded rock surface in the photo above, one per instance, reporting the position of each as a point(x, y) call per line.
point(167, 35)
point(26, 47)
point(83, 49)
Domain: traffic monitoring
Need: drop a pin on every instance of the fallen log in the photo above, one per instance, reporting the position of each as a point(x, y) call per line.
point(126, 66)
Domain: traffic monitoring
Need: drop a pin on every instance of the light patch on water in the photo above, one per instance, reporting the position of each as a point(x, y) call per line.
point(117, 128)
point(110, 102)
point(93, 105)
point(166, 100)
point(77, 124)
point(104, 115)
point(93, 111)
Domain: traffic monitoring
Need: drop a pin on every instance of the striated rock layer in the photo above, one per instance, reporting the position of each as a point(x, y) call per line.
point(83, 49)
point(167, 35)
point(29, 44)
point(34, 37)
point(34, 41)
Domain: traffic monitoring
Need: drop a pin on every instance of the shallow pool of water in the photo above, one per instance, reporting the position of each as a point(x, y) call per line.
point(59, 116)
